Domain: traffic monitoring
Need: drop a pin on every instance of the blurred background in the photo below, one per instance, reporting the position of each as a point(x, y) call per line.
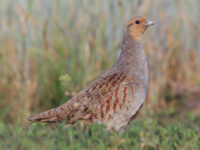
point(50, 50)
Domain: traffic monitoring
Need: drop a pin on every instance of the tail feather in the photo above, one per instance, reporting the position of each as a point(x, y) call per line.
point(53, 115)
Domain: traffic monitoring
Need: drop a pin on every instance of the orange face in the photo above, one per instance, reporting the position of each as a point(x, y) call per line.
point(137, 26)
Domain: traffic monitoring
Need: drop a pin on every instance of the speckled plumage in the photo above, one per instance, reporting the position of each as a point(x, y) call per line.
point(116, 97)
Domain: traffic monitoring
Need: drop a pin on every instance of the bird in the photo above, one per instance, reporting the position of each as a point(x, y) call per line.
point(115, 97)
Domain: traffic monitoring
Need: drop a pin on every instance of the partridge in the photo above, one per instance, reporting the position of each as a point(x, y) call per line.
point(116, 97)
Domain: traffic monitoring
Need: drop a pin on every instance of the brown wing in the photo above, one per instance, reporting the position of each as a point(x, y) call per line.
point(88, 101)
point(98, 100)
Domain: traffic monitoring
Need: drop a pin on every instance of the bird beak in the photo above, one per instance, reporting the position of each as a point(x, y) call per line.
point(149, 23)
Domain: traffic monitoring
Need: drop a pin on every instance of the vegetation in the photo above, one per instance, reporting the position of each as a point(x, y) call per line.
point(146, 134)
point(50, 50)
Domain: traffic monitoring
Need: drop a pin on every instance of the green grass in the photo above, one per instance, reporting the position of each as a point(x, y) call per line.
point(145, 133)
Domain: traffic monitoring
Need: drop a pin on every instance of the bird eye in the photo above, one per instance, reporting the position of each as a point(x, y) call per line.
point(137, 22)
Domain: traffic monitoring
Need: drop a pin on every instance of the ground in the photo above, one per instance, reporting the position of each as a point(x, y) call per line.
point(145, 133)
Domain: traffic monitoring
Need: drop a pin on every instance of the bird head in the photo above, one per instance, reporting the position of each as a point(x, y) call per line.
point(137, 26)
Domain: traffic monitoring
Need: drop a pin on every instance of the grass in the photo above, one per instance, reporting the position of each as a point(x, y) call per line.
point(144, 133)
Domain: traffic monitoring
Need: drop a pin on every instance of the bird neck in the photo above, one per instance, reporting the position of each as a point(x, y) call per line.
point(132, 60)
point(131, 50)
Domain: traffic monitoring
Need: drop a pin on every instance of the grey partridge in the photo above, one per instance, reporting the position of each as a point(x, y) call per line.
point(116, 97)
